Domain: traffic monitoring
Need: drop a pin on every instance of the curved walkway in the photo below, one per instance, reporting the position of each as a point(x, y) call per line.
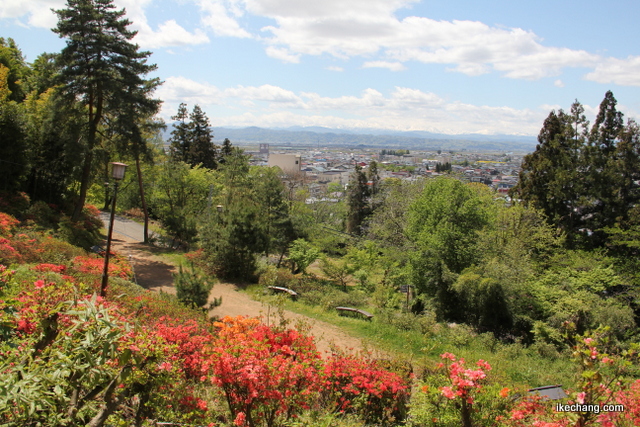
point(154, 272)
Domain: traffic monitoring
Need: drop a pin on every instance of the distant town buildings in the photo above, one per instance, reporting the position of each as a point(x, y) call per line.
point(323, 166)
point(289, 163)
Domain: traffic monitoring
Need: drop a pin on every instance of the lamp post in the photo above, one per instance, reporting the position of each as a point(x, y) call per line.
point(117, 173)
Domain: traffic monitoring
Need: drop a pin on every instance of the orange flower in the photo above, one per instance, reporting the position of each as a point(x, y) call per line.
point(504, 392)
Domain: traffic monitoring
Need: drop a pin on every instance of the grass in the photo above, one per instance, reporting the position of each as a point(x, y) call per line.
point(513, 364)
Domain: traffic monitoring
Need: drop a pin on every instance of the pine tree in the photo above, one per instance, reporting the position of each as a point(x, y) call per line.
point(225, 151)
point(99, 65)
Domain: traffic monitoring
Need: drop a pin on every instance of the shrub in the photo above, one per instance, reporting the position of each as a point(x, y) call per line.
point(85, 232)
point(192, 289)
point(266, 374)
point(360, 385)
point(15, 204)
point(43, 215)
point(7, 224)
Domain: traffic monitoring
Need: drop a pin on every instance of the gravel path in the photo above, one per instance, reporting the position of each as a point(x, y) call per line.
point(154, 272)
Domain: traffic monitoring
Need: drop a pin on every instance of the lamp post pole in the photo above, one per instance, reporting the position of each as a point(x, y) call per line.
point(117, 174)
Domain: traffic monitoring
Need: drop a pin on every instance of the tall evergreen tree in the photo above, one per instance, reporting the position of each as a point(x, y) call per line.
point(225, 151)
point(201, 150)
point(357, 200)
point(548, 177)
point(99, 64)
point(133, 125)
point(603, 205)
point(179, 143)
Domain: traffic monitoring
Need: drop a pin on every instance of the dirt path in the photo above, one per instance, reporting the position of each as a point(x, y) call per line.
point(237, 303)
point(153, 272)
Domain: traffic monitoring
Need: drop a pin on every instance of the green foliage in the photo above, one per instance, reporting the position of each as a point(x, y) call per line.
point(339, 271)
point(180, 198)
point(483, 302)
point(85, 233)
point(12, 131)
point(302, 254)
point(231, 242)
point(444, 222)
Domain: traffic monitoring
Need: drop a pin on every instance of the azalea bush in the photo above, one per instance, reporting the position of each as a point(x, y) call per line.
point(267, 374)
point(356, 384)
point(84, 360)
point(450, 393)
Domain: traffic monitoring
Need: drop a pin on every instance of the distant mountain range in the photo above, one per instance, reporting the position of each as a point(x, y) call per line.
point(319, 137)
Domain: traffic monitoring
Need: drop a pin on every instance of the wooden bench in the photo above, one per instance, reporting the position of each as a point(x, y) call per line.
point(291, 292)
point(355, 310)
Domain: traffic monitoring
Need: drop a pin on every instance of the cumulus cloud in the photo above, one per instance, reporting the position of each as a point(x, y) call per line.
point(364, 28)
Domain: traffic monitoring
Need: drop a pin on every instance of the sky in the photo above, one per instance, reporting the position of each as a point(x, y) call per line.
point(455, 66)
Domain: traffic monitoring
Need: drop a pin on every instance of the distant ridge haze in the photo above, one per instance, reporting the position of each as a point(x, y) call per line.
point(371, 138)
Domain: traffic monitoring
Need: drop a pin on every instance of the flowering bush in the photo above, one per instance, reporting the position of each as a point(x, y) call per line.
point(630, 398)
point(265, 374)
point(190, 339)
point(93, 265)
point(360, 385)
point(7, 224)
point(536, 412)
point(452, 390)
point(82, 362)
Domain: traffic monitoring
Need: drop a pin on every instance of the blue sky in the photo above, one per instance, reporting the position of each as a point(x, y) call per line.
point(483, 66)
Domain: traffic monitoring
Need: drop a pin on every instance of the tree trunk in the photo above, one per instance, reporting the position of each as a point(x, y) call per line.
point(466, 414)
point(143, 200)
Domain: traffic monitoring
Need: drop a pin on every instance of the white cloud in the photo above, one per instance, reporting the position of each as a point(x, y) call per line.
point(558, 83)
point(169, 34)
point(618, 71)
point(38, 12)
point(266, 93)
point(402, 109)
point(371, 28)
point(221, 18)
point(282, 54)
point(179, 89)
point(335, 68)
point(393, 66)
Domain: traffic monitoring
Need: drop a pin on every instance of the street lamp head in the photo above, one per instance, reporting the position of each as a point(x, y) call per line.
point(117, 171)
